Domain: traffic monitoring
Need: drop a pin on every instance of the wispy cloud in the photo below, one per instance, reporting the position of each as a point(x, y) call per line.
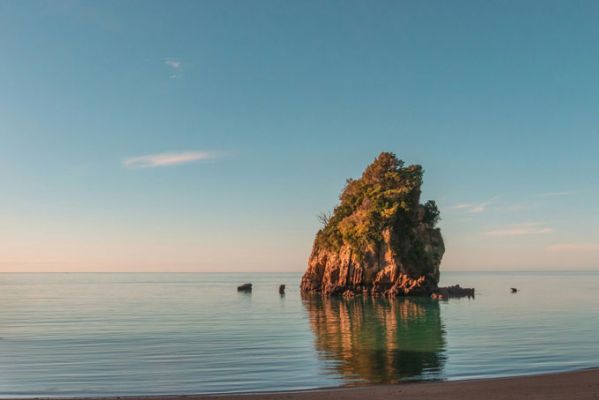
point(473, 208)
point(574, 248)
point(174, 64)
point(175, 67)
point(532, 228)
point(514, 208)
point(168, 159)
point(554, 194)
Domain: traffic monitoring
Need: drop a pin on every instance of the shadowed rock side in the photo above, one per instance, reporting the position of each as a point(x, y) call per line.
point(379, 240)
point(376, 340)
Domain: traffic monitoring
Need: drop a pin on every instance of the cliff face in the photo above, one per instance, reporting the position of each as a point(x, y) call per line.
point(379, 240)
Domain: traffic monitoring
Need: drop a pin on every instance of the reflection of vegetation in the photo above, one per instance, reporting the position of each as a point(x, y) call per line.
point(378, 340)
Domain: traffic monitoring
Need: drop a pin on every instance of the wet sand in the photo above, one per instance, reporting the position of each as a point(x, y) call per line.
point(566, 385)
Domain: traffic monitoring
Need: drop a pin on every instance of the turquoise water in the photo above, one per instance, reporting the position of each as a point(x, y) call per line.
point(124, 334)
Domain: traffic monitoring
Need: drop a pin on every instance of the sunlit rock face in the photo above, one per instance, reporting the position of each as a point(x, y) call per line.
point(378, 340)
point(379, 240)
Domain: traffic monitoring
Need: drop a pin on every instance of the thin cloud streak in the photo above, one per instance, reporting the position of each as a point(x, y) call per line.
point(520, 230)
point(473, 208)
point(170, 159)
point(573, 248)
point(554, 194)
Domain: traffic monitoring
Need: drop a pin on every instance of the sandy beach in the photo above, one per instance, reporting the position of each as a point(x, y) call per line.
point(566, 385)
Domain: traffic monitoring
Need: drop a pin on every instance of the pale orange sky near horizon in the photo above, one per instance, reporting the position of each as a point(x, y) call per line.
point(169, 251)
point(209, 137)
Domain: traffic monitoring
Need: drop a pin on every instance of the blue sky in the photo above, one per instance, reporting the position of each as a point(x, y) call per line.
point(207, 135)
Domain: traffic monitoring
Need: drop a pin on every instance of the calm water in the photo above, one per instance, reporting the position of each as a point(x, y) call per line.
point(105, 334)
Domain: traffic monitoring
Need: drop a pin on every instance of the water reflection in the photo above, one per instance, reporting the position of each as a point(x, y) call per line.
point(378, 340)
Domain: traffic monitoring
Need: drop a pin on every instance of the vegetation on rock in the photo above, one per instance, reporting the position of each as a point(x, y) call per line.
point(379, 239)
point(387, 194)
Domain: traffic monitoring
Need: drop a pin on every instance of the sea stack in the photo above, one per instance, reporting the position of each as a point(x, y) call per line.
point(379, 240)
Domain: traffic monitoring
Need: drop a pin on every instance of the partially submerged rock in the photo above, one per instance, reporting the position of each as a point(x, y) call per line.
point(455, 291)
point(282, 289)
point(379, 240)
point(246, 287)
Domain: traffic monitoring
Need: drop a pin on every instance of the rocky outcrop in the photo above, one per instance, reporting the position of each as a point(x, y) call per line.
point(246, 287)
point(444, 293)
point(379, 240)
point(382, 269)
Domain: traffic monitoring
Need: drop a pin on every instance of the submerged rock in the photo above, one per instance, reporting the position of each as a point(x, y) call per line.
point(246, 287)
point(379, 240)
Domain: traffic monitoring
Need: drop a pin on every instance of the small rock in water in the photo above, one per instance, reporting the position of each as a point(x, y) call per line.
point(455, 291)
point(246, 287)
point(282, 289)
point(514, 290)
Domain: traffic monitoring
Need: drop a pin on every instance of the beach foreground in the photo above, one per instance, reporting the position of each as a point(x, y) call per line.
point(566, 385)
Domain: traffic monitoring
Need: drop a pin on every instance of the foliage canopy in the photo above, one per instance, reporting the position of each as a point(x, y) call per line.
point(387, 194)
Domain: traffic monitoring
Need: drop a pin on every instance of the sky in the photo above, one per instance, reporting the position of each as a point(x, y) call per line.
point(208, 135)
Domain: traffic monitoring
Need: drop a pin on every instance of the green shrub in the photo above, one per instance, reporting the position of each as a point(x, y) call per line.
point(386, 194)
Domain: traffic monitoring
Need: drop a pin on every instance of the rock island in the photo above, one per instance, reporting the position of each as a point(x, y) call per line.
point(379, 239)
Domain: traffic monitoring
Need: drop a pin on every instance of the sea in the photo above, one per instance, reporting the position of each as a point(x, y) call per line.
point(105, 334)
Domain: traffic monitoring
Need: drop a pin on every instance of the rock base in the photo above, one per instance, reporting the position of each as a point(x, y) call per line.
point(439, 293)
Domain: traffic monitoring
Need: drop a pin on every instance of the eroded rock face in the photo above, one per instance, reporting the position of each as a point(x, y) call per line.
point(381, 270)
point(380, 240)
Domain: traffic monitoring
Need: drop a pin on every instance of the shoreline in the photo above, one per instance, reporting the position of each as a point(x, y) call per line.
point(574, 385)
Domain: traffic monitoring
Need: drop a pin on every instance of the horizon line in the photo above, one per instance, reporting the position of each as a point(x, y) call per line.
point(593, 269)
